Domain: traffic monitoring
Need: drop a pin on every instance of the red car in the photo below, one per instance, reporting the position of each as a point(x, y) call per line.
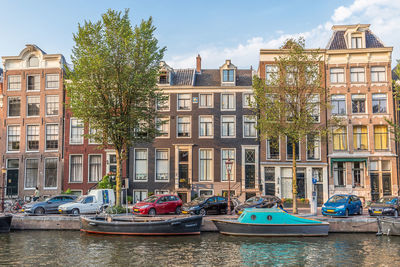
point(158, 204)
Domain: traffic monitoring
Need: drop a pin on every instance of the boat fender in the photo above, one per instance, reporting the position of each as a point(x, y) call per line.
point(93, 224)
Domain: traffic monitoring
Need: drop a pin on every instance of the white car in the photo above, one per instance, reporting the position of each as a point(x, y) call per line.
point(91, 203)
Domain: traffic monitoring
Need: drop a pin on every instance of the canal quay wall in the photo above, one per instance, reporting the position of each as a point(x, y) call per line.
point(356, 224)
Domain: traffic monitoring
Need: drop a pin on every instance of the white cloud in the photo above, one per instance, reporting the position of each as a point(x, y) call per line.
point(383, 15)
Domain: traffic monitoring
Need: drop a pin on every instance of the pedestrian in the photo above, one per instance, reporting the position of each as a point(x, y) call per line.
point(36, 194)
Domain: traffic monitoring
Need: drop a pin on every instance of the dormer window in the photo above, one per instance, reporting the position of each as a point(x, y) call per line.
point(356, 42)
point(163, 79)
point(228, 75)
point(33, 62)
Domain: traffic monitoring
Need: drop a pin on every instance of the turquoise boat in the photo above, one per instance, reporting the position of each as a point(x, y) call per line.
point(271, 222)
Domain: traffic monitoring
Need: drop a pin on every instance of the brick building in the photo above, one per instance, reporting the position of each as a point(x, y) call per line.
point(32, 122)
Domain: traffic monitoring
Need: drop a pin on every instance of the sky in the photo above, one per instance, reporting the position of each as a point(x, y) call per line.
point(217, 30)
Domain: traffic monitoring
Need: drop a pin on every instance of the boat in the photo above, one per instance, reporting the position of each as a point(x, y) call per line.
point(5, 223)
point(271, 222)
point(141, 225)
point(388, 226)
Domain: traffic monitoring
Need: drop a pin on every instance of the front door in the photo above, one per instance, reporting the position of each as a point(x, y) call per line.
point(301, 187)
point(374, 186)
point(386, 184)
point(12, 183)
point(320, 194)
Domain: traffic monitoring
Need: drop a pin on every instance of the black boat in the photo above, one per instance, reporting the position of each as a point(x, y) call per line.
point(141, 225)
point(5, 223)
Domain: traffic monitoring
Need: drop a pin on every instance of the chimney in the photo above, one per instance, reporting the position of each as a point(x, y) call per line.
point(198, 63)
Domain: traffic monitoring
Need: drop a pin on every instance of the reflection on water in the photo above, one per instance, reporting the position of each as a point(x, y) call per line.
point(72, 248)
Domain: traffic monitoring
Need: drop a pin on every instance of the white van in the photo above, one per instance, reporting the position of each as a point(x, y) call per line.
point(90, 203)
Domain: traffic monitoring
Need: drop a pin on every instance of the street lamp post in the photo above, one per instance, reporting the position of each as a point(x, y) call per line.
point(3, 187)
point(228, 165)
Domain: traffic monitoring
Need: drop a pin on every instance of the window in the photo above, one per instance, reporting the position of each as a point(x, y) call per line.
point(378, 74)
point(386, 165)
point(206, 126)
point(271, 74)
point(312, 73)
point(139, 195)
point(95, 168)
point(33, 83)
point(163, 126)
point(356, 42)
point(76, 131)
point(291, 77)
point(289, 149)
point(13, 137)
point(337, 75)
point(339, 137)
point(50, 172)
point(140, 165)
point(206, 100)
point(33, 62)
point(228, 75)
point(339, 174)
point(76, 168)
point(184, 126)
point(163, 103)
point(184, 102)
point(52, 105)
point(93, 131)
point(358, 103)
point(381, 137)
point(360, 137)
point(14, 82)
point(51, 136)
point(163, 192)
point(373, 166)
point(31, 173)
point(248, 100)
point(228, 102)
point(379, 103)
point(228, 126)
point(313, 147)
point(162, 165)
point(249, 168)
point(358, 174)
point(52, 81)
point(111, 163)
point(32, 137)
point(205, 165)
point(317, 174)
point(14, 107)
point(228, 154)
point(249, 126)
point(207, 193)
point(338, 103)
point(357, 75)
point(273, 148)
point(33, 105)
point(314, 107)
point(163, 78)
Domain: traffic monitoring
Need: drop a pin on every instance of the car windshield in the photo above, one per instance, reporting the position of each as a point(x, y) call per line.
point(81, 199)
point(252, 200)
point(151, 199)
point(338, 199)
point(198, 200)
point(388, 200)
point(48, 198)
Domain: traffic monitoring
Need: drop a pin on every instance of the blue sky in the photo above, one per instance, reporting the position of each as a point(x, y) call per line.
point(216, 29)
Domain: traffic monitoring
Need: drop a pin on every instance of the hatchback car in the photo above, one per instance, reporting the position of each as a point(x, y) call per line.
point(258, 202)
point(207, 205)
point(342, 205)
point(388, 206)
point(49, 205)
point(158, 204)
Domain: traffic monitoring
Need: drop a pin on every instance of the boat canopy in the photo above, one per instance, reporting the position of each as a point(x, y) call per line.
point(272, 216)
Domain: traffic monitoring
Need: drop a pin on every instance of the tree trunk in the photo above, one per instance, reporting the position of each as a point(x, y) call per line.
point(294, 181)
point(118, 179)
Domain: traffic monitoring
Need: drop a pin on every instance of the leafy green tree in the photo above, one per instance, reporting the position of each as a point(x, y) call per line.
point(393, 126)
point(289, 100)
point(112, 86)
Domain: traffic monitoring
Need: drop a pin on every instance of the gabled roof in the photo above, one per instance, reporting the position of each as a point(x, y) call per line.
point(337, 40)
point(212, 77)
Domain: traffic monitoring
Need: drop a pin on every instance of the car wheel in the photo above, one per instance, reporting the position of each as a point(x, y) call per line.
point(39, 211)
point(360, 212)
point(396, 213)
point(75, 212)
point(346, 213)
point(152, 212)
point(178, 210)
point(203, 212)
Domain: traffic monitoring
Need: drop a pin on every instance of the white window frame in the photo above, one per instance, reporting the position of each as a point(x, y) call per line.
point(372, 103)
point(101, 168)
point(26, 138)
point(337, 75)
point(27, 82)
point(287, 159)
point(339, 97)
point(90, 140)
point(27, 105)
point(46, 104)
point(134, 165)
point(44, 173)
point(358, 80)
point(167, 101)
point(160, 192)
point(275, 71)
point(155, 166)
point(316, 102)
point(8, 106)
point(212, 101)
point(8, 127)
point(378, 80)
point(37, 180)
point(169, 126)
point(8, 82)
point(269, 153)
point(233, 171)
point(211, 166)
point(212, 126)
point(70, 132)
point(356, 42)
point(335, 181)
point(222, 116)
point(139, 190)
point(245, 102)
point(202, 190)
point(190, 126)
point(319, 146)
point(177, 102)
point(52, 74)
point(45, 138)
point(234, 102)
point(69, 169)
point(243, 124)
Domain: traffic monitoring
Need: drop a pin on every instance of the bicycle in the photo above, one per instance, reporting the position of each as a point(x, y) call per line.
point(14, 206)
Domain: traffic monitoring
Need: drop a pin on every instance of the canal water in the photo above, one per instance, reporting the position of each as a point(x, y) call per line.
point(72, 248)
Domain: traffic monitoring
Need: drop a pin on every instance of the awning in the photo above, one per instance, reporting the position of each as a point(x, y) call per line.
point(349, 160)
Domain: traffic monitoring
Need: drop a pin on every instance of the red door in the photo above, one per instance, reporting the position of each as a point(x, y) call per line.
point(162, 203)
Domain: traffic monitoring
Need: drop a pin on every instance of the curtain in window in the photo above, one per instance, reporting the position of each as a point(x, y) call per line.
point(340, 139)
point(141, 164)
point(381, 136)
point(228, 154)
point(162, 165)
point(31, 173)
point(76, 169)
point(205, 164)
point(94, 168)
point(51, 173)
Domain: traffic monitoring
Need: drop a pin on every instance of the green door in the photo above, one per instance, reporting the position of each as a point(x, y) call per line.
point(12, 182)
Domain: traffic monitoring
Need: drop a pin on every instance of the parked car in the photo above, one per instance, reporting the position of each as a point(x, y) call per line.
point(258, 202)
point(96, 200)
point(385, 206)
point(49, 205)
point(158, 204)
point(342, 205)
point(207, 205)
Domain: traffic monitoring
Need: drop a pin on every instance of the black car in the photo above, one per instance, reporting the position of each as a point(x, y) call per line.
point(388, 206)
point(206, 205)
point(49, 205)
point(258, 202)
